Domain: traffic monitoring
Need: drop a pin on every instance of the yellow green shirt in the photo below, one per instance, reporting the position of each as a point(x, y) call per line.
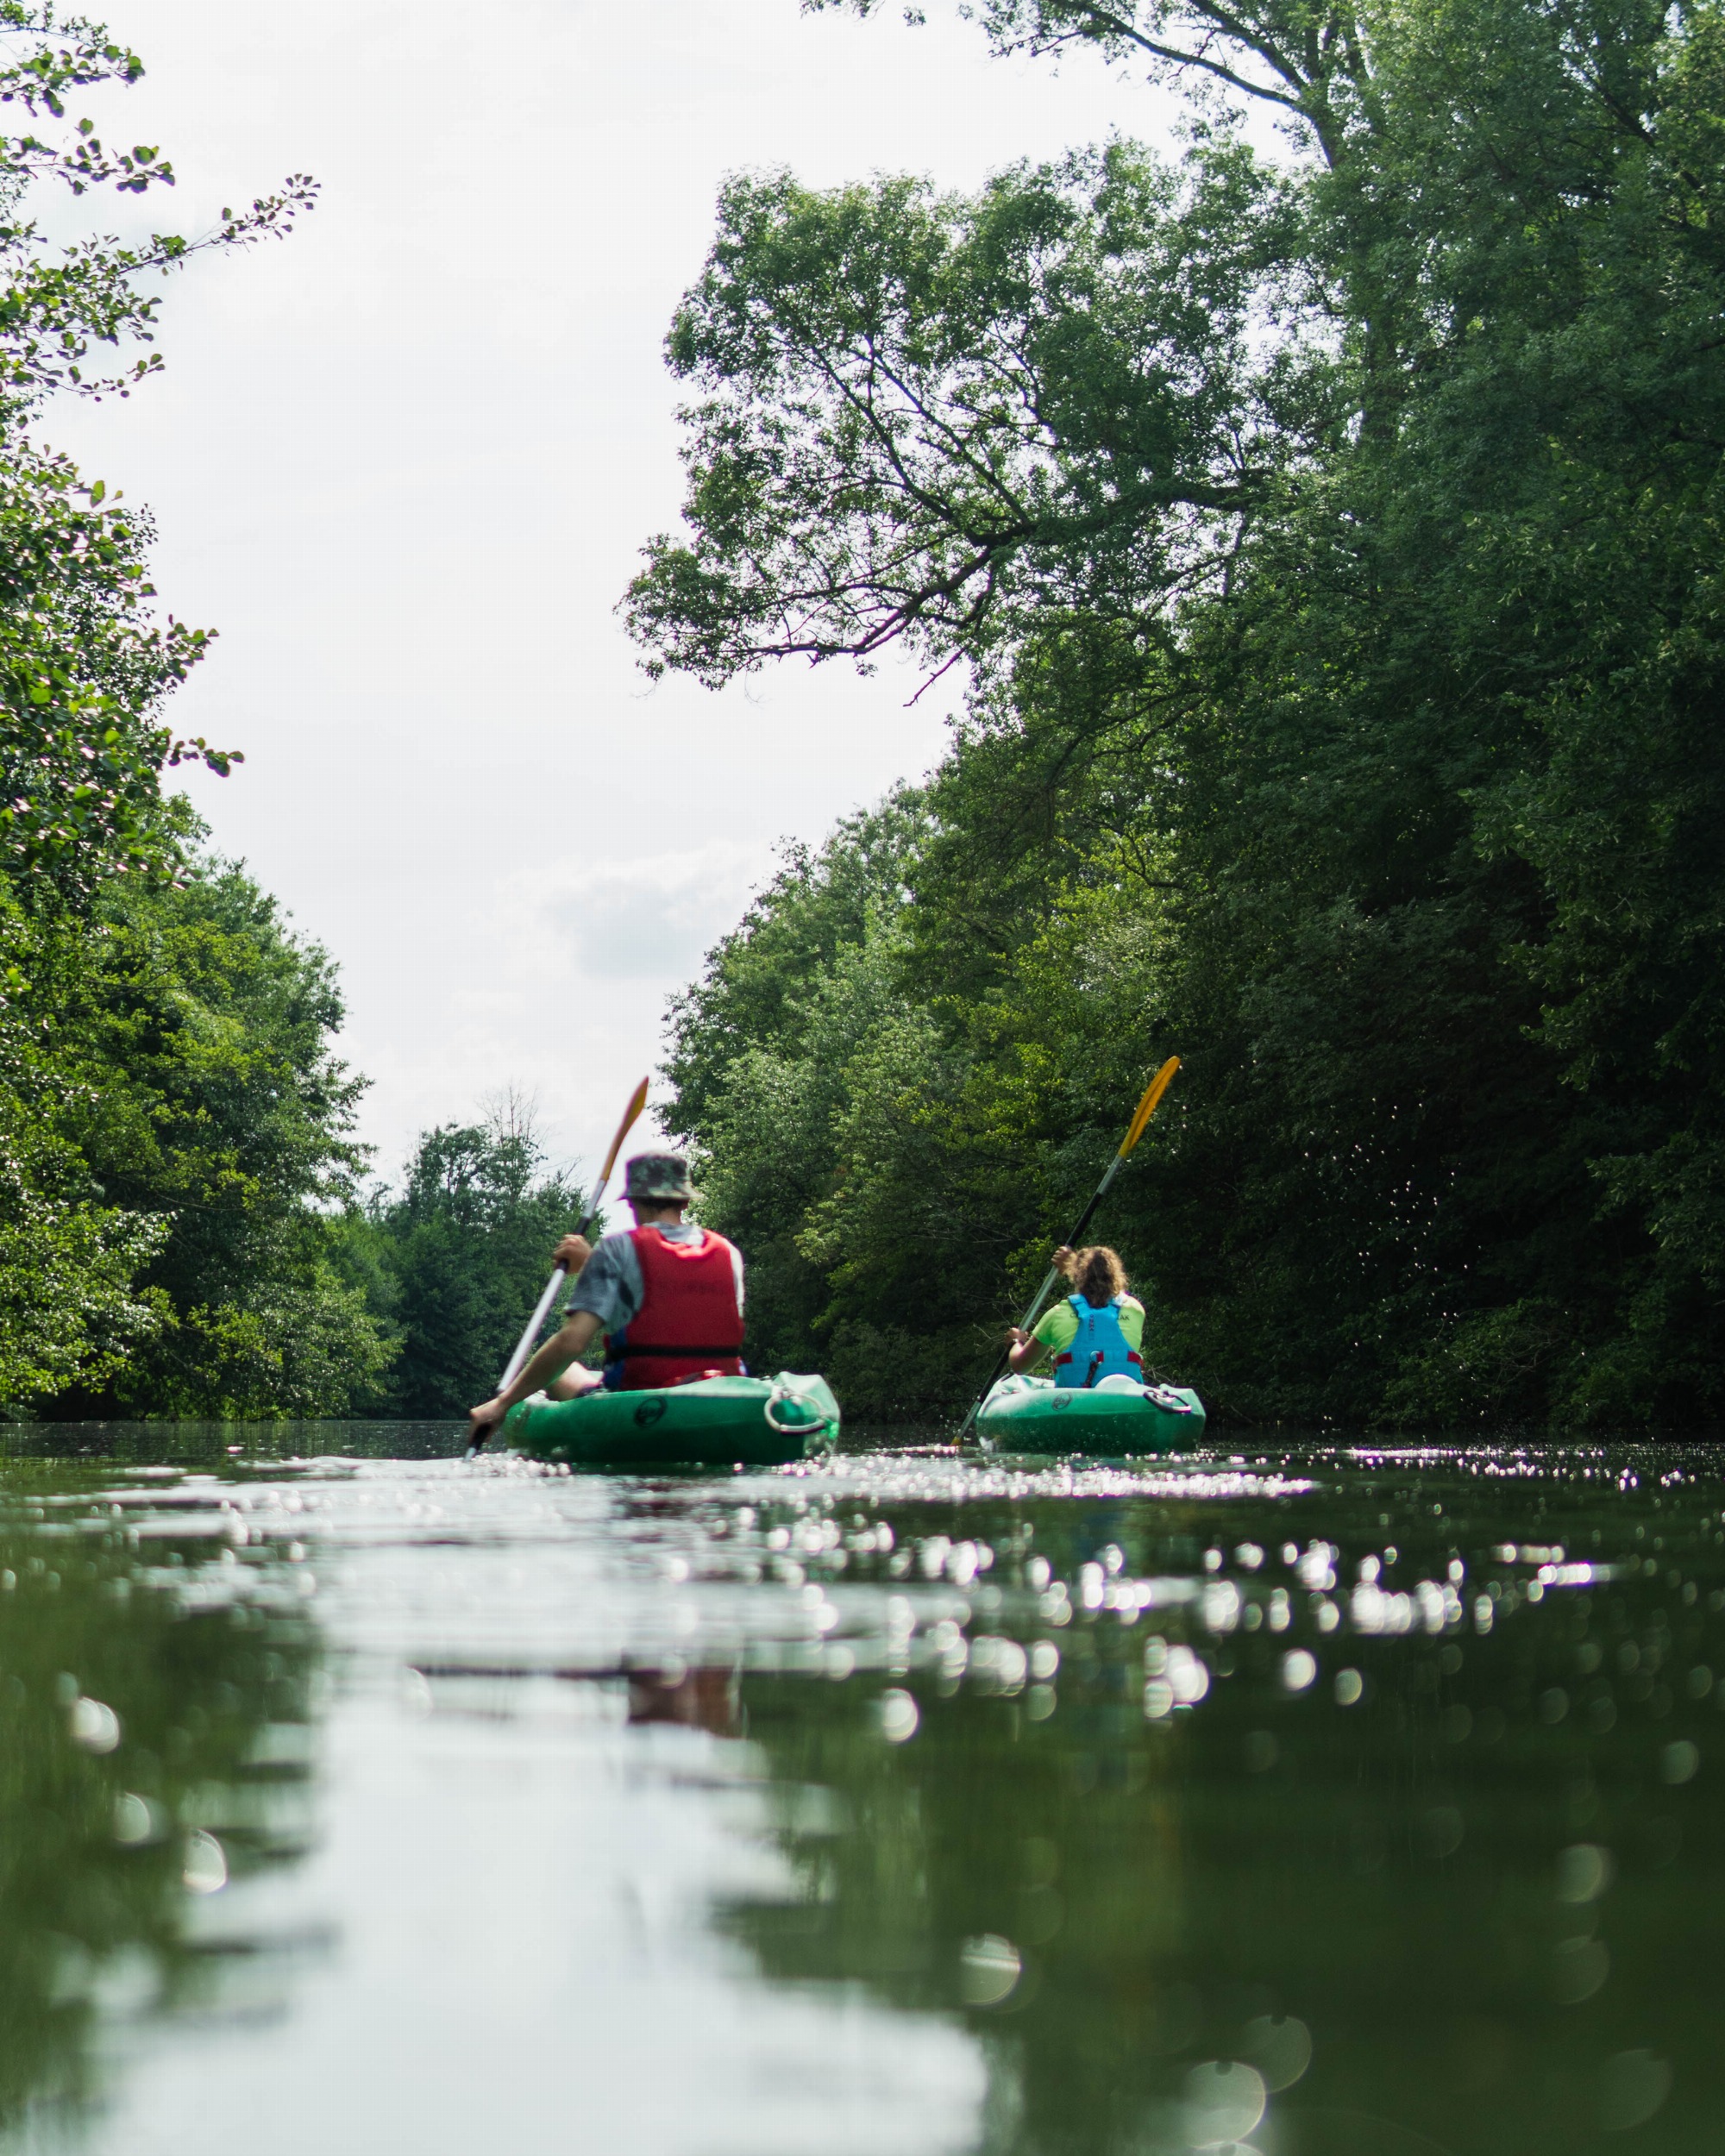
point(1058, 1328)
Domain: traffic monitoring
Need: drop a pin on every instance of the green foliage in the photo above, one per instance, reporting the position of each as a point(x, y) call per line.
point(171, 1068)
point(84, 667)
point(884, 1158)
point(171, 1129)
point(72, 1309)
point(458, 1258)
point(1334, 544)
point(922, 416)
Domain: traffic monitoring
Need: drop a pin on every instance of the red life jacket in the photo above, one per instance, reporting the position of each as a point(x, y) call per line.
point(688, 1325)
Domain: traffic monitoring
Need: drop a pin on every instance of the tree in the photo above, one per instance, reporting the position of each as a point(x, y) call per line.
point(84, 667)
point(189, 1076)
point(1331, 544)
point(885, 1157)
point(89, 1280)
point(461, 1253)
point(927, 418)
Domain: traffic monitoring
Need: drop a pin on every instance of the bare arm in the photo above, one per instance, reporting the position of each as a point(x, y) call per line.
point(1024, 1350)
point(1027, 1348)
point(567, 1344)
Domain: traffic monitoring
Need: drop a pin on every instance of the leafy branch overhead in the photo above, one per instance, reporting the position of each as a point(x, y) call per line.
point(926, 417)
point(59, 301)
point(919, 415)
point(1311, 61)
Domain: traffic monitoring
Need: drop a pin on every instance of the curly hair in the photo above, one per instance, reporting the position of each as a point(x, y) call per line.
point(1098, 1274)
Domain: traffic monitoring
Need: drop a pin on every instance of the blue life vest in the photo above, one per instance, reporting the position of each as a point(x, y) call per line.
point(1100, 1350)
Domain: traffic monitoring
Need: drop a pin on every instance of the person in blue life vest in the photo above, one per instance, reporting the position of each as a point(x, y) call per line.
point(666, 1295)
point(1097, 1331)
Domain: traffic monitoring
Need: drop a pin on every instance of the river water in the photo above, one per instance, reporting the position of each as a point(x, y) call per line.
point(1341, 1802)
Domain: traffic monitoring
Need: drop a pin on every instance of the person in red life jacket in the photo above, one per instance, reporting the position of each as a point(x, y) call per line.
point(666, 1295)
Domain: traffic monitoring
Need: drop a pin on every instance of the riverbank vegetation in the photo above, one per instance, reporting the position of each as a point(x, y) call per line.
point(174, 1142)
point(1330, 534)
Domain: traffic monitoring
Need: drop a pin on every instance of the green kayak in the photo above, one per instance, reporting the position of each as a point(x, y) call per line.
point(1029, 1414)
point(715, 1422)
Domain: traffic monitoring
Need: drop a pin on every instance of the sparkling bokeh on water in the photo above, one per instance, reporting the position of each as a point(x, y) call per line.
point(357, 1797)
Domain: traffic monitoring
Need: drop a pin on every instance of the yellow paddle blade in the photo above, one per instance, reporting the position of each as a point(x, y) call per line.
point(1146, 1107)
point(631, 1116)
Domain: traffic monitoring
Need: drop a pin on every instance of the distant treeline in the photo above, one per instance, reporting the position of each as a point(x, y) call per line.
point(1333, 539)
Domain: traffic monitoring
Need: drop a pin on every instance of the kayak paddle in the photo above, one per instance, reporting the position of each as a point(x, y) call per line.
point(523, 1346)
point(1141, 1115)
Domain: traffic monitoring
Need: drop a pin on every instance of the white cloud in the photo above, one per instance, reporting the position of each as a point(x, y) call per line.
point(655, 917)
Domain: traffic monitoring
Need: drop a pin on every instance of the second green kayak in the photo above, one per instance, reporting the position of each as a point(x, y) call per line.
point(1031, 1414)
point(716, 1422)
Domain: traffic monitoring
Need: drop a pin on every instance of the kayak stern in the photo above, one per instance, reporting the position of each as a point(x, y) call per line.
point(1031, 1415)
point(715, 1422)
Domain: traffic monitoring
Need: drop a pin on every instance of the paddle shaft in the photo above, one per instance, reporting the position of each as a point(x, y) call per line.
point(523, 1346)
point(1041, 1295)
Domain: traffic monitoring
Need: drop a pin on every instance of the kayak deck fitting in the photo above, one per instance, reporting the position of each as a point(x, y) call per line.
point(714, 1422)
point(1031, 1415)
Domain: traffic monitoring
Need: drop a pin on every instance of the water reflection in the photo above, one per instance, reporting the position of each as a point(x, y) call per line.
point(1329, 1803)
point(702, 1698)
point(220, 1444)
point(155, 1696)
point(1213, 1829)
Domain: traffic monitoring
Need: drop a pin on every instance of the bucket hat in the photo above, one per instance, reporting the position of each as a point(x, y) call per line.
point(658, 1179)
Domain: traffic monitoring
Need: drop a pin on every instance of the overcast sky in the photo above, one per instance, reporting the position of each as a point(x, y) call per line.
point(403, 462)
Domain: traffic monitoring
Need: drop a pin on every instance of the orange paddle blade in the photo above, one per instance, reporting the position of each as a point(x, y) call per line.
point(1146, 1107)
point(631, 1116)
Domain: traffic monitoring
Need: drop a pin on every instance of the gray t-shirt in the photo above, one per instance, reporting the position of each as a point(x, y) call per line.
point(610, 1283)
